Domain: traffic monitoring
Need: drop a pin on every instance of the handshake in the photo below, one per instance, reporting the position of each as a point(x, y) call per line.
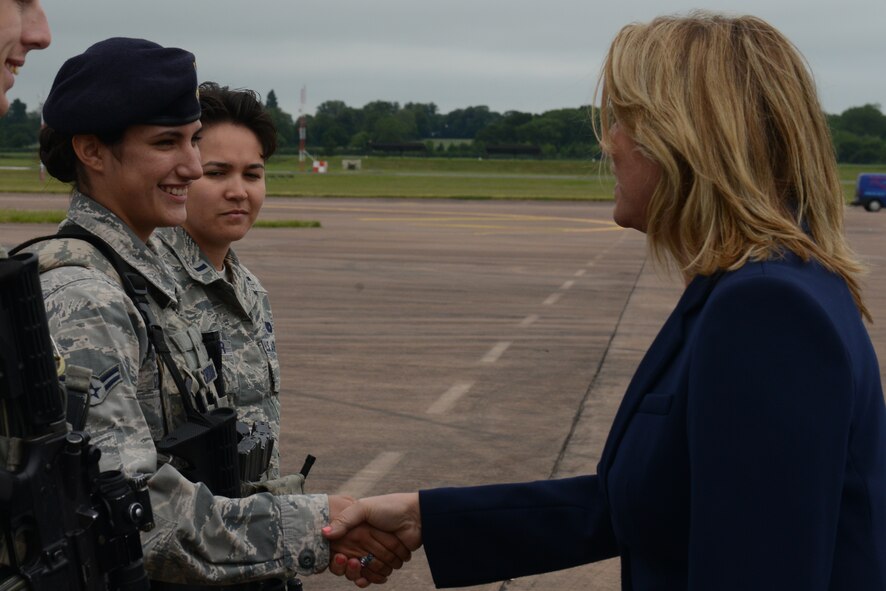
point(371, 537)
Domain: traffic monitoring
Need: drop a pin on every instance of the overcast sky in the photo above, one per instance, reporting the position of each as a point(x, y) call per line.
point(525, 55)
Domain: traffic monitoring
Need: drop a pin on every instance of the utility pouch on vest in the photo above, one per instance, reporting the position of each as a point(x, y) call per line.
point(209, 448)
point(254, 449)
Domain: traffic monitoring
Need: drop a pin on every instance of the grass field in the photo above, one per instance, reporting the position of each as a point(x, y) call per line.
point(453, 178)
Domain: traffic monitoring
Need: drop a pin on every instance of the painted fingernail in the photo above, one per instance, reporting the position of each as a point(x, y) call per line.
point(326, 529)
point(339, 559)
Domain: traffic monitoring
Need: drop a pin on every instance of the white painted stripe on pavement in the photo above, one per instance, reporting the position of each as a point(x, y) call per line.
point(495, 352)
point(531, 319)
point(363, 481)
point(552, 299)
point(568, 284)
point(449, 398)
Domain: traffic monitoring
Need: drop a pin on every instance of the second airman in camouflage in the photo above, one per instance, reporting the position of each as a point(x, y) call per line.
point(219, 294)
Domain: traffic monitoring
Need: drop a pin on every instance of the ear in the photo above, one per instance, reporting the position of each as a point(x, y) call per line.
point(90, 151)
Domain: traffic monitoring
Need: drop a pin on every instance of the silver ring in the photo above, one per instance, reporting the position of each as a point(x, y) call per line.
point(367, 559)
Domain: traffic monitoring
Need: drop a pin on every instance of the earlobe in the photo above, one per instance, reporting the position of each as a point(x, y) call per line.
point(90, 151)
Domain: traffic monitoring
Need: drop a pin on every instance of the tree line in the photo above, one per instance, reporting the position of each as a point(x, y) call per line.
point(859, 133)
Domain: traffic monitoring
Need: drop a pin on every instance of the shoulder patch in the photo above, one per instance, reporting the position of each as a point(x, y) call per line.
point(100, 386)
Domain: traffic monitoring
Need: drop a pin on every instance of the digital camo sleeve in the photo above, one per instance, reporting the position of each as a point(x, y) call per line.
point(232, 540)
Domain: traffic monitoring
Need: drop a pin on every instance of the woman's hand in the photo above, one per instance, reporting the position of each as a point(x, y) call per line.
point(395, 515)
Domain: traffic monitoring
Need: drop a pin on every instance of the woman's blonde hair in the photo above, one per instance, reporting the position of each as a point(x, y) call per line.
point(728, 108)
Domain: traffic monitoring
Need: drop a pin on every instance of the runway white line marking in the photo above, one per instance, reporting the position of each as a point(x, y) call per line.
point(495, 352)
point(580, 273)
point(531, 319)
point(568, 284)
point(449, 398)
point(363, 481)
point(552, 299)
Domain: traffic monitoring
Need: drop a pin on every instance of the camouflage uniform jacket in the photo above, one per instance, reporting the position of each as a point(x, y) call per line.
point(199, 538)
point(238, 308)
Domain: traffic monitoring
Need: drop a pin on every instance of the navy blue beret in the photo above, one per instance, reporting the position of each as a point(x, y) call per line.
point(120, 82)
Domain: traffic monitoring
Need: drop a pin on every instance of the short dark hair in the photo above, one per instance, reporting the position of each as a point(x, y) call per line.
point(221, 104)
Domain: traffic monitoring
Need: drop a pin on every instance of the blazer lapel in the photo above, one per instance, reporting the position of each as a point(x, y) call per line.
point(662, 351)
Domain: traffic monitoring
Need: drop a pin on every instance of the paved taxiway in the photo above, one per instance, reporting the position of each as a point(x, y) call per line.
point(428, 343)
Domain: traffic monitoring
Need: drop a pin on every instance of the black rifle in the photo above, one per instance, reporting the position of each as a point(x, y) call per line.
point(63, 524)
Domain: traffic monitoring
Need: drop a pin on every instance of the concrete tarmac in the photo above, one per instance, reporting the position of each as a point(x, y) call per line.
point(432, 343)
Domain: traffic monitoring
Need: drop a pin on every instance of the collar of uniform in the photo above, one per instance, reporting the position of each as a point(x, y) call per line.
point(90, 215)
point(246, 286)
point(189, 255)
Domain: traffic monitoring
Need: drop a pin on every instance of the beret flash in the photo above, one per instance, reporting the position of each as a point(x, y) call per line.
point(121, 82)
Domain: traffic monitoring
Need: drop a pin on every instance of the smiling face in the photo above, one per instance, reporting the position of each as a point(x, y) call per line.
point(636, 177)
point(145, 178)
point(224, 204)
point(23, 27)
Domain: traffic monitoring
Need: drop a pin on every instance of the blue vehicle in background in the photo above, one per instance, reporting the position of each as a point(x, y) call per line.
point(870, 191)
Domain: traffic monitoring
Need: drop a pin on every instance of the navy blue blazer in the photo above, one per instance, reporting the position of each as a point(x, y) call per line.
point(749, 452)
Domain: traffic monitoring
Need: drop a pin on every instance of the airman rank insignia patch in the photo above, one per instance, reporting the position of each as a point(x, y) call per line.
point(101, 385)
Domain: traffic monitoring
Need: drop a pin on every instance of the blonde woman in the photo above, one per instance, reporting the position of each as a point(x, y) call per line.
point(749, 451)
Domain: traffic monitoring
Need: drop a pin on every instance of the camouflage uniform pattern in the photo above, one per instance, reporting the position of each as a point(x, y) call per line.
point(199, 538)
point(234, 303)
